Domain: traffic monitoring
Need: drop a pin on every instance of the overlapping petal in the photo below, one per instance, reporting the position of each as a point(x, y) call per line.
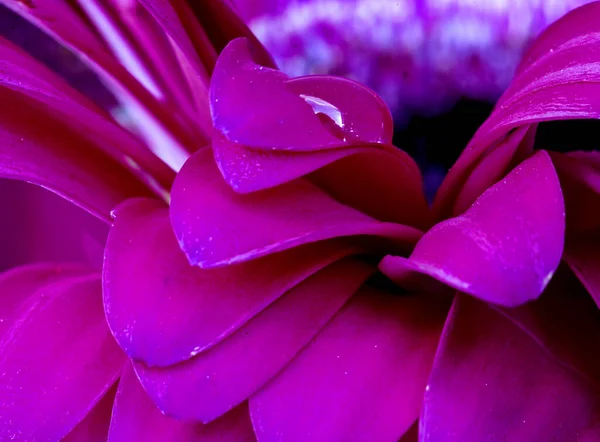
point(216, 226)
point(260, 107)
point(162, 310)
point(492, 380)
point(506, 247)
point(41, 149)
point(557, 80)
point(163, 126)
point(379, 180)
point(230, 372)
point(94, 427)
point(58, 100)
point(136, 418)
point(362, 378)
point(57, 359)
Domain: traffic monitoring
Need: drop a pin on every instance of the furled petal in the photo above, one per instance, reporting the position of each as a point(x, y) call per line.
point(215, 226)
point(58, 100)
point(136, 418)
point(227, 374)
point(57, 360)
point(162, 310)
point(262, 108)
point(506, 247)
point(362, 378)
point(557, 80)
point(583, 256)
point(491, 381)
point(38, 148)
point(357, 175)
point(94, 427)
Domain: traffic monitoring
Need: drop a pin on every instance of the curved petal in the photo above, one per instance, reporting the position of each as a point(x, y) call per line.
point(215, 226)
point(492, 381)
point(385, 184)
point(57, 360)
point(227, 374)
point(358, 176)
point(18, 285)
point(136, 418)
point(162, 310)
point(262, 108)
point(158, 33)
point(558, 79)
point(576, 23)
point(94, 427)
point(362, 378)
point(489, 170)
point(163, 127)
point(37, 148)
point(58, 100)
point(506, 247)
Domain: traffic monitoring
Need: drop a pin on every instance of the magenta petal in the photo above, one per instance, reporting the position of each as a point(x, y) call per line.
point(40, 149)
point(162, 310)
point(384, 183)
point(20, 284)
point(249, 170)
point(56, 360)
point(94, 427)
point(505, 247)
point(227, 374)
point(489, 170)
point(261, 108)
point(216, 226)
point(136, 418)
point(362, 378)
point(53, 95)
point(359, 176)
point(566, 323)
point(557, 80)
point(364, 116)
point(491, 381)
point(576, 23)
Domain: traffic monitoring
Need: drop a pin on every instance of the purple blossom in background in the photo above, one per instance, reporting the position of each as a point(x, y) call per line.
point(419, 55)
point(272, 269)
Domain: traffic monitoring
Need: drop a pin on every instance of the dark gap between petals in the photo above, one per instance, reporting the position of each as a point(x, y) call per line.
point(568, 135)
point(435, 143)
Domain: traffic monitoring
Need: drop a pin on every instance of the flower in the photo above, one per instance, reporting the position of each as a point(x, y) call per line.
point(248, 297)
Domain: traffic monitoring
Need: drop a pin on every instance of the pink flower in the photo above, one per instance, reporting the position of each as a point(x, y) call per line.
point(246, 292)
